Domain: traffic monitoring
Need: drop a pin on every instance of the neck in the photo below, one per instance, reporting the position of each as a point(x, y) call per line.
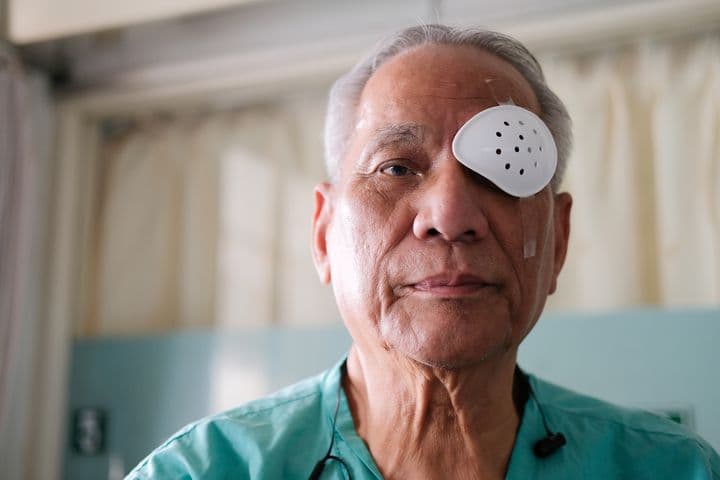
point(427, 422)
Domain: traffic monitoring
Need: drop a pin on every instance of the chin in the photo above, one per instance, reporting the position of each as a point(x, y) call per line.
point(448, 345)
point(456, 360)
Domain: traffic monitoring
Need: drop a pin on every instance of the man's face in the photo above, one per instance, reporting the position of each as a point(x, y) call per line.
point(425, 256)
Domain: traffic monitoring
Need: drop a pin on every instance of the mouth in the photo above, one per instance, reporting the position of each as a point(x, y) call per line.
point(451, 286)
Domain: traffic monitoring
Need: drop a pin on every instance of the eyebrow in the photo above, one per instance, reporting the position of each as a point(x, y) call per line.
point(399, 133)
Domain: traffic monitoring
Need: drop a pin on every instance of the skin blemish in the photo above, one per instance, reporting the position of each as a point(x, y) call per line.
point(482, 98)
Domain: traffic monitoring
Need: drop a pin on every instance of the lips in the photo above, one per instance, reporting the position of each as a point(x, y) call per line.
point(452, 285)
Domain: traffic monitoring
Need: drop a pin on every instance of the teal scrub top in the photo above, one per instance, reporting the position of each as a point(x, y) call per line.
point(284, 435)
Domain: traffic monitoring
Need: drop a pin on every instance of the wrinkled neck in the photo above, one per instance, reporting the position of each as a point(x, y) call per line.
point(427, 422)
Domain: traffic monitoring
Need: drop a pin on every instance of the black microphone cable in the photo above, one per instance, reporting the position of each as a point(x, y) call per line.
point(320, 465)
point(552, 441)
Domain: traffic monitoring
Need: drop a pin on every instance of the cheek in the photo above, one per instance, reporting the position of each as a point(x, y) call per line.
point(537, 271)
point(525, 235)
point(358, 227)
point(363, 232)
point(546, 262)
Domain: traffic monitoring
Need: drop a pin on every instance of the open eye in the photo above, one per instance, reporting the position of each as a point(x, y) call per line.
point(396, 170)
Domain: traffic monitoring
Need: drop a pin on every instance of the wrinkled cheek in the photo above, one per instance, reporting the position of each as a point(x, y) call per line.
point(536, 285)
point(354, 258)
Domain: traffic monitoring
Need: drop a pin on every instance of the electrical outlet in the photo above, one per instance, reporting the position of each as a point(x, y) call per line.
point(89, 430)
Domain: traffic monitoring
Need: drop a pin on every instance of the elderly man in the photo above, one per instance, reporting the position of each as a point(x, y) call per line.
point(442, 233)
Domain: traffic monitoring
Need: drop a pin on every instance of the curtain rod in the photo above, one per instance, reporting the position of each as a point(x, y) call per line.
point(9, 55)
point(5, 44)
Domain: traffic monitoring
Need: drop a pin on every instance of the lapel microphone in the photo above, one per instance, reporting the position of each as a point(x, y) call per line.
point(552, 441)
point(549, 445)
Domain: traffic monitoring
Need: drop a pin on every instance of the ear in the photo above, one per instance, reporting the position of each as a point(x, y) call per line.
point(320, 222)
point(561, 212)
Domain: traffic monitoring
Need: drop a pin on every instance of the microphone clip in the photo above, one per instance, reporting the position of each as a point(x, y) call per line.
point(548, 445)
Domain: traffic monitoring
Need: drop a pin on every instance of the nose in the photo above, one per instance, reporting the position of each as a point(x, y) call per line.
point(450, 206)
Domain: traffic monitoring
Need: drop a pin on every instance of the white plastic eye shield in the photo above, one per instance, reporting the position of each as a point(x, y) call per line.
point(510, 146)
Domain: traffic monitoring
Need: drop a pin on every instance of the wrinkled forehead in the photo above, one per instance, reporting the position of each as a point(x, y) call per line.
point(463, 76)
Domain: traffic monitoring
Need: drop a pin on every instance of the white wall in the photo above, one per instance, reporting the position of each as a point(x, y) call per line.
point(34, 20)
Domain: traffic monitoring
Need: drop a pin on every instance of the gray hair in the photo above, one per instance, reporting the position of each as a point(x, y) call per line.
point(346, 91)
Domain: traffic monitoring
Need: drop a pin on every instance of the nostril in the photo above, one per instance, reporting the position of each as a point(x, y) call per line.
point(464, 236)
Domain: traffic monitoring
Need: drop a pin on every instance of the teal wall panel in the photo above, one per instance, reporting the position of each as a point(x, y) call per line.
point(654, 359)
point(151, 386)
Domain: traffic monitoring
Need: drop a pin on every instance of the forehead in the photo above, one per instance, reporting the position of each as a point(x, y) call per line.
point(457, 81)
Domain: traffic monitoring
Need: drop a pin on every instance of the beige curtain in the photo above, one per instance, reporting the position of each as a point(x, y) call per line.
point(645, 174)
point(204, 219)
point(16, 166)
point(25, 145)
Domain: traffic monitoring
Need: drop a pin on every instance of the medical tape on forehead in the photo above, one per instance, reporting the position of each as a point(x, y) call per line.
point(514, 149)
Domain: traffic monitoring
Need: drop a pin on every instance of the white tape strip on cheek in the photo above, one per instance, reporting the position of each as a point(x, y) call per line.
point(510, 146)
point(529, 228)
